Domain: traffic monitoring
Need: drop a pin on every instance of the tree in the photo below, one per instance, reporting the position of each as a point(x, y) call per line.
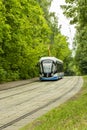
point(76, 11)
point(27, 28)
point(24, 30)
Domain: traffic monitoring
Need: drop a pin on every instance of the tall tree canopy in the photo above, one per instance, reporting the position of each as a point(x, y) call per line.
point(77, 12)
point(25, 32)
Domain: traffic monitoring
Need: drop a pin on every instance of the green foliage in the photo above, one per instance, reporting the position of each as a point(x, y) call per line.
point(60, 46)
point(81, 50)
point(70, 11)
point(45, 4)
point(26, 29)
point(2, 74)
point(61, 50)
point(77, 12)
point(23, 30)
point(81, 58)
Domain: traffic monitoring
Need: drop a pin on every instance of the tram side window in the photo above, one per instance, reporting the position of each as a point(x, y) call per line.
point(60, 67)
point(54, 68)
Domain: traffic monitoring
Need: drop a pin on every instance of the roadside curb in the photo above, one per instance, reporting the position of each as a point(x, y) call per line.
point(13, 84)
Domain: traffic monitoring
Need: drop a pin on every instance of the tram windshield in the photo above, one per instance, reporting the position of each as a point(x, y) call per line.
point(47, 66)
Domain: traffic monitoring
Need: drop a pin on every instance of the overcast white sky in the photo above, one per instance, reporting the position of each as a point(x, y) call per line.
point(66, 29)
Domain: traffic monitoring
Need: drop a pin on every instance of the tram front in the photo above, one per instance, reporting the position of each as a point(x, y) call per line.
point(47, 69)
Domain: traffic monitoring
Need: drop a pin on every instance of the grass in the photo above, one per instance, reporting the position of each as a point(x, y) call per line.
point(71, 115)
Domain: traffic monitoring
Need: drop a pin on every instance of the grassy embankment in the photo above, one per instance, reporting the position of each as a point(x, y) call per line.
point(71, 115)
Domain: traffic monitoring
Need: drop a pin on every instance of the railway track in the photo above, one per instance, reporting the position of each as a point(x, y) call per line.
point(25, 103)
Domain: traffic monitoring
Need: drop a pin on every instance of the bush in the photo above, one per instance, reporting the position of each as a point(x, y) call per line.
point(12, 76)
point(3, 74)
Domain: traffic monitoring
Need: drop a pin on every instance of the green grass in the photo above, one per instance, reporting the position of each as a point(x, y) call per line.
point(71, 115)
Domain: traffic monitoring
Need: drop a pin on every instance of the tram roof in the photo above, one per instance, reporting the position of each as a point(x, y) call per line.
point(51, 58)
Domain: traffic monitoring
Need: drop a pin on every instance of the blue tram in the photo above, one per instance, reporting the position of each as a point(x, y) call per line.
point(51, 68)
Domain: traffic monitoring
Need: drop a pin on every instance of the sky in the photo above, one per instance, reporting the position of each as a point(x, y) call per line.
point(66, 29)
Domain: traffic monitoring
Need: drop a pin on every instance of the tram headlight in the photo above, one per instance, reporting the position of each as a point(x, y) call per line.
point(42, 75)
point(56, 74)
point(52, 74)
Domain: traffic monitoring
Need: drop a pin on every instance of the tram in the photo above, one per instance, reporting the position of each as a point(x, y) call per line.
point(51, 68)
